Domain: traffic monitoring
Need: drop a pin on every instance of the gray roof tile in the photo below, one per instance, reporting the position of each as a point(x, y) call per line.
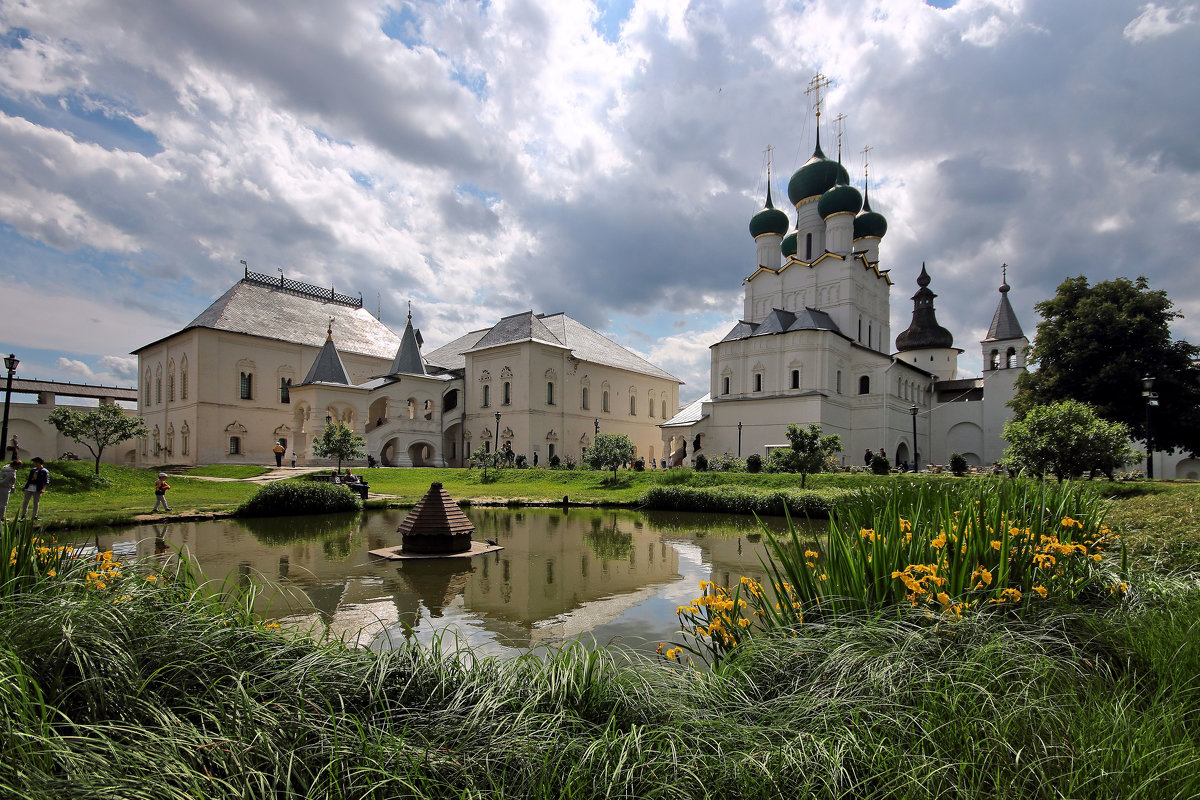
point(328, 367)
point(277, 314)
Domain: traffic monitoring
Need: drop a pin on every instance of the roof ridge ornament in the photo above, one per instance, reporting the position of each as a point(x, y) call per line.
point(329, 332)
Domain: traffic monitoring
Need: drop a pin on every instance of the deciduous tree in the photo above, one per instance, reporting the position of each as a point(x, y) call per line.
point(1096, 343)
point(808, 453)
point(339, 441)
point(610, 451)
point(1067, 439)
point(98, 429)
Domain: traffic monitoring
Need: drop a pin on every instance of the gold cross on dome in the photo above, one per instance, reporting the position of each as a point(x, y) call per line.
point(815, 86)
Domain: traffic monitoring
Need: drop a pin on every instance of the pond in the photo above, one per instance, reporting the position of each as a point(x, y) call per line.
point(605, 575)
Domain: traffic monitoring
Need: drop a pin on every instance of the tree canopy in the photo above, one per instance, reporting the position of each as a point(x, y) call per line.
point(98, 429)
point(610, 451)
point(1067, 439)
point(1096, 343)
point(339, 441)
point(809, 451)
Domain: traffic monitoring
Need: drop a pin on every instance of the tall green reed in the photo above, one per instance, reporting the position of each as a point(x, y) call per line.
point(949, 549)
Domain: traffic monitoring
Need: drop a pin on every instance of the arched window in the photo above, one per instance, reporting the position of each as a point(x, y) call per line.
point(725, 385)
point(583, 402)
point(604, 401)
point(147, 392)
point(795, 379)
point(1010, 358)
point(808, 247)
point(171, 382)
point(158, 384)
point(837, 385)
point(428, 409)
point(633, 405)
point(285, 390)
point(487, 396)
point(664, 409)
point(183, 379)
point(864, 384)
point(184, 432)
point(994, 360)
point(508, 393)
point(758, 381)
point(411, 407)
point(235, 445)
point(549, 393)
point(245, 385)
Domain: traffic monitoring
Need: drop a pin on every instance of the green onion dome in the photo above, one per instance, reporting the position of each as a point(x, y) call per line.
point(841, 199)
point(816, 177)
point(869, 223)
point(788, 246)
point(769, 220)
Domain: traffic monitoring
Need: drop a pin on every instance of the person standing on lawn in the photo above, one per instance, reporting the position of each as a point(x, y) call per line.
point(160, 493)
point(8, 482)
point(35, 484)
point(278, 451)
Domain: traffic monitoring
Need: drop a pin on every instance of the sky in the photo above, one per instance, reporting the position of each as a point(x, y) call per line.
point(600, 158)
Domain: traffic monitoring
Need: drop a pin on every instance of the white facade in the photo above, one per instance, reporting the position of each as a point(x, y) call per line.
point(272, 361)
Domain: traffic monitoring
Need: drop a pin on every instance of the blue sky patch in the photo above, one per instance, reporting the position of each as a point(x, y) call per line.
point(402, 24)
point(612, 13)
point(363, 179)
point(89, 118)
point(486, 198)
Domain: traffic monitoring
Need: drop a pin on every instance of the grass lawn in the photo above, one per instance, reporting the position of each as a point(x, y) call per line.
point(76, 499)
point(127, 682)
point(236, 471)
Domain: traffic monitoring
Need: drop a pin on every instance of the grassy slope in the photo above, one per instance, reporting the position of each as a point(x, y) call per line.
point(74, 498)
point(140, 691)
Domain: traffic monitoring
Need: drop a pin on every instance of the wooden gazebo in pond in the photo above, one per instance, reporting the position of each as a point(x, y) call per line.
point(436, 528)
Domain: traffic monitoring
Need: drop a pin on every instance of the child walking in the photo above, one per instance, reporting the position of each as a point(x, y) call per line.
point(160, 493)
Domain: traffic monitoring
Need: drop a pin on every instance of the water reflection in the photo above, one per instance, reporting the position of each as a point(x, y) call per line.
point(613, 575)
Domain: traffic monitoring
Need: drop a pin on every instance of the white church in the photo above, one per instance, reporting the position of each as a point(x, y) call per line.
point(814, 345)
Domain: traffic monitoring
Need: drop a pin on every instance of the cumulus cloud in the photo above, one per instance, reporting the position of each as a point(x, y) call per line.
point(482, 159)
point(1156, 21)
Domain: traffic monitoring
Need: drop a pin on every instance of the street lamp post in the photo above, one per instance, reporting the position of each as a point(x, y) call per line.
point(916, 455)
point(497, 432)
point(10, 364)
point(739, 439)
point(1151, 400)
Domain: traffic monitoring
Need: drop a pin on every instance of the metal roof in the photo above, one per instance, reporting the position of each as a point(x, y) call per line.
point(554, 329)
point(688, 415)
point(328, 367)
point(257, 310)
point(782, 321)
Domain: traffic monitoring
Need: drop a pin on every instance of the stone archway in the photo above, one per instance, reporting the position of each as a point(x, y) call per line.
point(387, 454)
point(421, 454)
point(902, 455)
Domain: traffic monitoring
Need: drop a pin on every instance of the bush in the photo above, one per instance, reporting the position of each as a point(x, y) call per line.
point(732, 500)
point(958, 464)
point(554, 461)
point(521, 461)
point(639, 465)
point(700, 463)
point(753, 462)
point(288, 497)
point(726, 463)
point(880, 465)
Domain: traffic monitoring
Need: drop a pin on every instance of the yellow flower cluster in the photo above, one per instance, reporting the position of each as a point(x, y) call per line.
point(107, 570)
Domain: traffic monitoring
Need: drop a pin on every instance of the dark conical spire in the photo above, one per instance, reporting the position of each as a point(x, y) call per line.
point(924, 332)
point(408, 357)
point(328, 366)
point(1004, 321)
